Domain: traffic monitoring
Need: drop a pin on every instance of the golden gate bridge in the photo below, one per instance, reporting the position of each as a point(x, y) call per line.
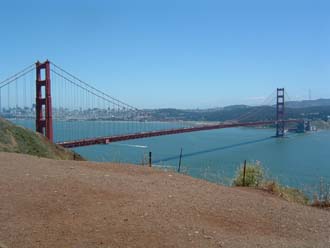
point(59, 102)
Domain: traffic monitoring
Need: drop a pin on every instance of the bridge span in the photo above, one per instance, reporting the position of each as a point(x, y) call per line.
point(111, 139)
point(57, 96)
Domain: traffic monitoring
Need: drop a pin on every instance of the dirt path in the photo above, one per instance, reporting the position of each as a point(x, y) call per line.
point(48, 203)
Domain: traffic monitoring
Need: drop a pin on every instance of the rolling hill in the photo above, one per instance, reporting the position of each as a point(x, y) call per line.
point(21, 140)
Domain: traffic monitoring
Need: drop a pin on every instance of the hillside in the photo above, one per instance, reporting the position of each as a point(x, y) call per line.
point(242, 112)
point(49, 203)
point(308, 103)
point(21, 140)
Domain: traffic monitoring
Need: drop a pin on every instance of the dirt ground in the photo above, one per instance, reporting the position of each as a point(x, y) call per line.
point(49, 203)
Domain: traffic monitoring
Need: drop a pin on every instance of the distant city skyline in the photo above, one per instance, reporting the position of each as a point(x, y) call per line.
point(179, 54)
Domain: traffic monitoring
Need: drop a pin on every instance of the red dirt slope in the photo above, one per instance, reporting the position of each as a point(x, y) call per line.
point(49, 203)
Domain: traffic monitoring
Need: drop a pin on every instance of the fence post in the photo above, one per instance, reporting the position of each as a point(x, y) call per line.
point(150, 160)
point(244, 171)
point(180, 161)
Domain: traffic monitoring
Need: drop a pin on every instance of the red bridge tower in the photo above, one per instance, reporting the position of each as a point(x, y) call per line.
point(44, 121)
point(280, 113)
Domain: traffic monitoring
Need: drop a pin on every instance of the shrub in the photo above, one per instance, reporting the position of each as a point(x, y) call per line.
point(254, 175)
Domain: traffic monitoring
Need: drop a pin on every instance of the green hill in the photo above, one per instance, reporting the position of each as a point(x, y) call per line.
point(21, 140)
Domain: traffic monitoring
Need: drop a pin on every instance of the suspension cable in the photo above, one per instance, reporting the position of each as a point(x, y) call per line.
point(4, 83)
point(16, 75)
point(83, 88)
point(259, 109)
point(90, 86)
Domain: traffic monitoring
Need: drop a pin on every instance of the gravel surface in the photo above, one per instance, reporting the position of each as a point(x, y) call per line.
point(49, 203)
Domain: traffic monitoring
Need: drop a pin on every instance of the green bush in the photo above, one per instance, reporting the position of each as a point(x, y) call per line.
point(254, 175)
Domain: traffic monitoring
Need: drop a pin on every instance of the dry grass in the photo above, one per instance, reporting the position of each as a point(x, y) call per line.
point(322, 198)
point(18, 139)
point(287, 193)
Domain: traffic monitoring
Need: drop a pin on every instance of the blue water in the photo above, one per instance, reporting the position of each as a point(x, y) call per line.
point(299, 160)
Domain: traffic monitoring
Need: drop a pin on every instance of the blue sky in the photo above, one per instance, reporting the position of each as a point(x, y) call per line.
point(176, 53)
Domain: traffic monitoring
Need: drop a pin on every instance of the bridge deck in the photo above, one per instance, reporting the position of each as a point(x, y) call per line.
point(111, 139)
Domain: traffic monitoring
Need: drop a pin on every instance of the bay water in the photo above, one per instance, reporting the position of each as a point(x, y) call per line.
point(298, 160)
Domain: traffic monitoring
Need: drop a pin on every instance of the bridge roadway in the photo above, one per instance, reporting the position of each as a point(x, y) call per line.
point(111, 139)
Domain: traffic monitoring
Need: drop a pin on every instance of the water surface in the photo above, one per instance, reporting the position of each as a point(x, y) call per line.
point(298, 160)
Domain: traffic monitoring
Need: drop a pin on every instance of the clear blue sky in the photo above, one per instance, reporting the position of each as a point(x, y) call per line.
point(176, 53)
